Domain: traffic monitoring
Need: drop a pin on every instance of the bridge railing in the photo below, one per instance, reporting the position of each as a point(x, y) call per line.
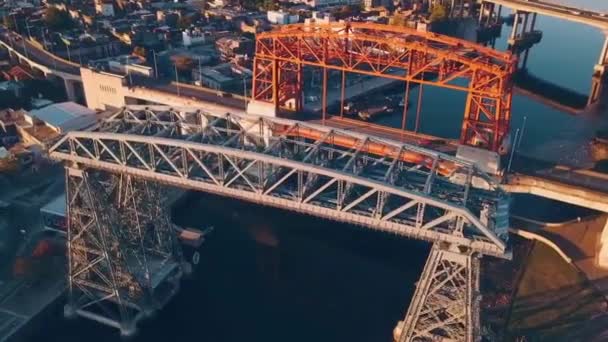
point(395, 188)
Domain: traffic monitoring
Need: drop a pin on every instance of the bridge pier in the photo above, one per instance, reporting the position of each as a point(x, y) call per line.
point(524, 36)
point(124, 262)
point(599, 75)
point(602, 255)
point(445, 305)
point(490, 23)
point(70, 90)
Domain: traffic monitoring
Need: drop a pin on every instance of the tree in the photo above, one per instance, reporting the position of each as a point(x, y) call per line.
point(438, 13)
point(14, 22)
point(184, 22)
point(57, 20)
point(267, 5)
point(183, 63)
point(8, 22)
point(398, 20)
point(140, 51)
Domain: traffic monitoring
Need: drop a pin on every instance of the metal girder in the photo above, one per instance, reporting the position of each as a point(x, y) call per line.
point(121, 247)
point(392, 52)
point(347, 172)
point(445, 306)
point(120, 239)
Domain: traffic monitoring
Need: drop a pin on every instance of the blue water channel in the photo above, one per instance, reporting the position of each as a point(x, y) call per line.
point(565, 56)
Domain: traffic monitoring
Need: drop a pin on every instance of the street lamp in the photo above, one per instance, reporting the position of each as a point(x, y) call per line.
point(245, 88)
point(67, 45)
point(176, 79)
point(129, 71)
point(45, 42)
point(155, 64)
point(200, 76)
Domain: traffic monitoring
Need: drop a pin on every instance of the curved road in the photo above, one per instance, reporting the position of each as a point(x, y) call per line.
point(37, 55)
point(597, 19)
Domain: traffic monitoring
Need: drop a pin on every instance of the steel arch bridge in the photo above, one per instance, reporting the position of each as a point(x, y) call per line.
point(393, 52)
point(120, 249)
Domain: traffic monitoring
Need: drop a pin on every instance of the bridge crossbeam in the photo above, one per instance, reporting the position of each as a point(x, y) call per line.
point(307, 168)
point(445, 306)
point(389, 52)
point(119, 255)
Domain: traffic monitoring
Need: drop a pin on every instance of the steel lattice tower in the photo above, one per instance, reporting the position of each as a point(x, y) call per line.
point(123, 254)
point(124, 261)
point(445, 306)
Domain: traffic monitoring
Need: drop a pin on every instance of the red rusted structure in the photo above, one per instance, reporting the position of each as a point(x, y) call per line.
point(393, 52)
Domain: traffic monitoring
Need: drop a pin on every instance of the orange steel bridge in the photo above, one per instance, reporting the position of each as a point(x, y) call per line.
point(393, 52)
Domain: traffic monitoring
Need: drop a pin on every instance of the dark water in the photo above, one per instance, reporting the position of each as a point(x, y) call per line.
point(322, 282)
point(326, 281)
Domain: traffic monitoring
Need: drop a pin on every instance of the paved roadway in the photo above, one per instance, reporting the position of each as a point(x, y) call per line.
point(38, 55)
point(589, 179)
point(597, 19)
point(198, 93)
point(584, 179)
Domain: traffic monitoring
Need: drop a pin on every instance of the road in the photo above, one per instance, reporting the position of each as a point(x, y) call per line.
point(596, 19)
point(38, 55)
point(198, 93)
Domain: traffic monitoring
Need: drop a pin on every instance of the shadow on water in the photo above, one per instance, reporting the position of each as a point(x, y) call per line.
point(550, 93)
point(554, 301)
point(570, 313)
point(306, 279)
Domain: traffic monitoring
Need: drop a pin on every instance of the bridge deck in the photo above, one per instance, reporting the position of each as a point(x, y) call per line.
point(339, 175)
point(587, 17)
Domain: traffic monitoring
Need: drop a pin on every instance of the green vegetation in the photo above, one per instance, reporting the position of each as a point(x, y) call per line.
point(57, 20)
point(438, 13)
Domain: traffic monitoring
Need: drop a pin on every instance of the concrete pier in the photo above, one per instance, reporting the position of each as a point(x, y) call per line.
point(524, 36)
point(599, 74)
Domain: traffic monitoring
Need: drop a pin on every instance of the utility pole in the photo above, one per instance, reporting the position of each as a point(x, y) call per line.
point(245, 88)
point(68, 47)
point(176, 79)
point(155, 65)
point(22, 40)
point(27, 26)
point(200, 76)
point(44, 42)
point(129, 72)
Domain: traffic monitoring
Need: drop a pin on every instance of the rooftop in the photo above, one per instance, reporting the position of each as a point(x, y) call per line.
point(66, 115)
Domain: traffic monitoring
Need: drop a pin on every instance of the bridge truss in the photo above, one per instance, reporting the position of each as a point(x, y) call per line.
point(311, 169)
point(392, 52)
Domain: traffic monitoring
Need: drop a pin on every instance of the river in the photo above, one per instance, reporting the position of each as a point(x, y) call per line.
point(333, 282)
point(565, 56)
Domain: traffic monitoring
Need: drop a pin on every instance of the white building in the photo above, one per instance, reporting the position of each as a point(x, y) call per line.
point(193, 37)
point(330, 3)
point(66, 116)
point(282, 18)
point(320, 18)
point(124, 65)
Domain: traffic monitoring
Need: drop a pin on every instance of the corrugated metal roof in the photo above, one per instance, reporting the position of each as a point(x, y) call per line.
point(66, 115)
